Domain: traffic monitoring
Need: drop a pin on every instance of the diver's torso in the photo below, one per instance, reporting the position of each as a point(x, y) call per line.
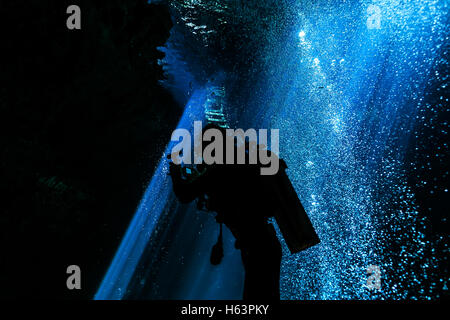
point(238, 194)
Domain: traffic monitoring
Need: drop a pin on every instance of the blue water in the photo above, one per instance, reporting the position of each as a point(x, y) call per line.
point(346, 99)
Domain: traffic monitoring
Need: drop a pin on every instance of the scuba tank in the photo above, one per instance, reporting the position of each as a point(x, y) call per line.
point(291, 217)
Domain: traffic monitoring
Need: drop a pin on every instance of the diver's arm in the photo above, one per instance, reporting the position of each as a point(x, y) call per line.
point(185, 190)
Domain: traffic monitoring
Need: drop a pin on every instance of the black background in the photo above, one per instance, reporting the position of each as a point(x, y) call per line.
point(83, 124)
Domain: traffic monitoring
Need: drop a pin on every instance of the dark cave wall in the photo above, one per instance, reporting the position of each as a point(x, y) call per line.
point(83, 124)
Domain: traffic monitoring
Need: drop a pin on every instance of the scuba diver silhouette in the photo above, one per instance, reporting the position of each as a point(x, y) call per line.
point(244, 200)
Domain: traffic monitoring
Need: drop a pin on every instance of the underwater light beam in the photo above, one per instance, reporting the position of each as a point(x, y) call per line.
point(120, 272)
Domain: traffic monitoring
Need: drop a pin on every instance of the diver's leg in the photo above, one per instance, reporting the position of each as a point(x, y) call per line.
point(262, 260)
